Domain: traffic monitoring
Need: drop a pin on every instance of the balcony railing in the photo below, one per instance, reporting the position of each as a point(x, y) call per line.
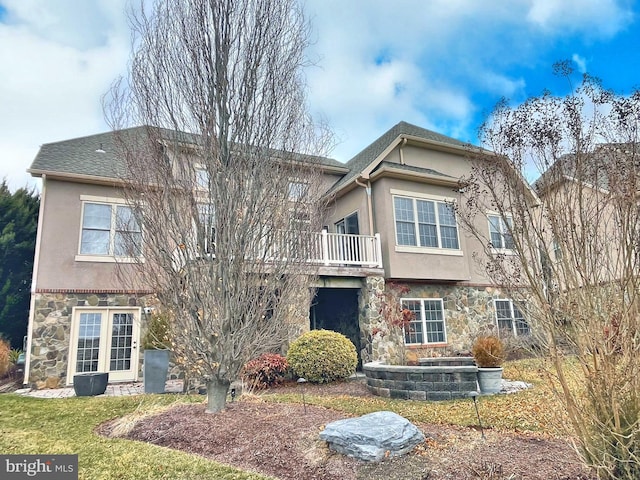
point(348, 249)
point(316, 248)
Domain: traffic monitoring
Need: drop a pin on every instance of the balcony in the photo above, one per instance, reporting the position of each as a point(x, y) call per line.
point(317, 248)
point(345, 249)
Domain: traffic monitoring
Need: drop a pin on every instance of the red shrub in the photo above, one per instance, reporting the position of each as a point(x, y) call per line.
point(265, 371)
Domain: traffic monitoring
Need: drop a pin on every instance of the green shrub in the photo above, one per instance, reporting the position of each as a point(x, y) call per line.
point(321, 356)
point(158, 335)
point(5, 350)
point(14, 355)
point(267, 370)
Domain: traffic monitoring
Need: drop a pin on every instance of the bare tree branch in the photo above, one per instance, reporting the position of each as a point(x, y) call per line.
point(222, 178)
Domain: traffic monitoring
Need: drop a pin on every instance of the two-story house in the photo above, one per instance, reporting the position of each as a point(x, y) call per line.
point(390, 220)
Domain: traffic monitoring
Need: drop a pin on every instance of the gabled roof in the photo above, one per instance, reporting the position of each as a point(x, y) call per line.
point(373, 152)
point(95, 156)
point(592, 168)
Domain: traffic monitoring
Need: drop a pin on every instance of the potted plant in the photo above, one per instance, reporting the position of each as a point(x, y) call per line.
point(156, 343)
point(488, 352)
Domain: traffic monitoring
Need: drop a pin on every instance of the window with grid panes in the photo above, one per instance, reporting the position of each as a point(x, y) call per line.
point(109, 229)
point(428, 324)
point(510, 320)
point(499, 230)
point(425, 223)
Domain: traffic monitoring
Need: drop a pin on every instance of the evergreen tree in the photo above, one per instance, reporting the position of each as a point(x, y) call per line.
point(18, 226)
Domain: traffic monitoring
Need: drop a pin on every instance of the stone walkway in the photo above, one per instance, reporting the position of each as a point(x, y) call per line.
point(113, 390)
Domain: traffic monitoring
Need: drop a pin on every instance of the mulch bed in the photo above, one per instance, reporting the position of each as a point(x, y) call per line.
point(281, 440)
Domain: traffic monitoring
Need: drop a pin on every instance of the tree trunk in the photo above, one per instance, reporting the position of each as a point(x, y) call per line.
point(217, 394)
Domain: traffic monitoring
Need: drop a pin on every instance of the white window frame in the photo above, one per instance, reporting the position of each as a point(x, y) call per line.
point(512, 318)
point(414, 197)
point(423, 320)
point(206, 221)
point(109, 257)
point(297, 189)
point(343, 221)
point(503, 231)
point(105, 344)
point(201, 175)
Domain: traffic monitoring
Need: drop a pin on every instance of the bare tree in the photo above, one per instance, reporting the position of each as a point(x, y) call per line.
point(571, 256)
point(223, 179)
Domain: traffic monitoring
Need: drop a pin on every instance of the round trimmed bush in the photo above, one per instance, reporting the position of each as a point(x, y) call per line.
point(321, 356)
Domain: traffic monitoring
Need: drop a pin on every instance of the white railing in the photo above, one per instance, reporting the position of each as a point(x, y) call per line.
point(323, 248)
point(349, 249)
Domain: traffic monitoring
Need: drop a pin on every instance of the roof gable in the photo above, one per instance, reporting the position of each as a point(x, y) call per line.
point(368, 158)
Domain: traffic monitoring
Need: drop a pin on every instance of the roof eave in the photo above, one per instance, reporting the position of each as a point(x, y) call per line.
point(75, 177)
point(401, 174)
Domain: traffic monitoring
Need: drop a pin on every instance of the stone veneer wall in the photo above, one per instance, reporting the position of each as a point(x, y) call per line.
point(51, 331)
point(433, 379)
point(468, 312)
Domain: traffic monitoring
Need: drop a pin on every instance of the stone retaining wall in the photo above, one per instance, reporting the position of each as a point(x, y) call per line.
point(435, 379)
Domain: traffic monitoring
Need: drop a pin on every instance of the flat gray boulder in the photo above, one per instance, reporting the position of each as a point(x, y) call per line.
point(371, 436)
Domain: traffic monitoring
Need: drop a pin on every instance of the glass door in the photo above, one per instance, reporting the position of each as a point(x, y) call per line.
point(105, 340)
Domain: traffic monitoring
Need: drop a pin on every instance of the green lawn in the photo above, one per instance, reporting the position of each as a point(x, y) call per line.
point(64, 426)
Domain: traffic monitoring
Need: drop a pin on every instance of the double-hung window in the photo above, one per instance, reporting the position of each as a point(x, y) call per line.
point(510, 320)
point(297, 189)
point(500, 232)
point(202, 178)
point(109, 230)
point(207, 229)
point(422, 222)
point(427, 325)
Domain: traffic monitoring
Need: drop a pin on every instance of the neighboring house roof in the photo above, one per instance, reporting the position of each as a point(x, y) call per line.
point(373, 152)
point(95, 156)
point(593, 169)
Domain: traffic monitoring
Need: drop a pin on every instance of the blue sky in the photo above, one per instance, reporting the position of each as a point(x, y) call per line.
point(440, 64)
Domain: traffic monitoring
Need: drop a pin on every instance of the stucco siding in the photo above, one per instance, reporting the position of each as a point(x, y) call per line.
point(58, 268)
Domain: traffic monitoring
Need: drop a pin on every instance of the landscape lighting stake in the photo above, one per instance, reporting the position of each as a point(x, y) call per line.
point(474, 396)
point(302, 381)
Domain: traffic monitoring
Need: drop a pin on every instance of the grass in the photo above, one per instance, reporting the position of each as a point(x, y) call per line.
point(66, 426)
point(535, 410)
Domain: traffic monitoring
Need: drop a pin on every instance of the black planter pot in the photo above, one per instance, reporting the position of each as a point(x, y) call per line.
point(155, 369)
point(90, 384)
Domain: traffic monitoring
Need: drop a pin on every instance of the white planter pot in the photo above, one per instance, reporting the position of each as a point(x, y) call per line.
point(490, 379)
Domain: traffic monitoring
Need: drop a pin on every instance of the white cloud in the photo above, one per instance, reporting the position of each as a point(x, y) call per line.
point(602, 18)
point(54, 75)
point(581, 62)
point(429, 63)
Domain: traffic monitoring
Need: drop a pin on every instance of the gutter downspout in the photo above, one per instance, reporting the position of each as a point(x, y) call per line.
point(404, 142)
point(367, 188)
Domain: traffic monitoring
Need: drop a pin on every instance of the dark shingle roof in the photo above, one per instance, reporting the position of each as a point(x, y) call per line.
point(411, 168)
point(363, 159)
point(96, 155)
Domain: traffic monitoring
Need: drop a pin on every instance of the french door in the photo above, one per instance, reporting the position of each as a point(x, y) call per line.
point(105, 340)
